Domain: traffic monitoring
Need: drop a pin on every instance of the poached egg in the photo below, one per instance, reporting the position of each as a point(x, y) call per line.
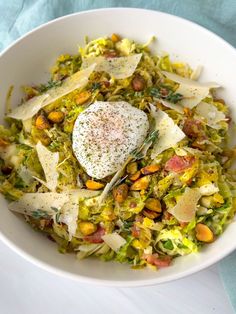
point(105, 134)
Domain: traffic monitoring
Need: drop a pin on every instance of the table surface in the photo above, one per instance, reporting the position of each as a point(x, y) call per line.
point(27, 289)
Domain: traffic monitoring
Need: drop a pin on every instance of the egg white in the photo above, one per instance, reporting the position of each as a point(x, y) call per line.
point(105, 134)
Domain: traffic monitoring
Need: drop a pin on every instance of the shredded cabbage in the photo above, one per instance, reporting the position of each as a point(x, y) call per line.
point(146, 213)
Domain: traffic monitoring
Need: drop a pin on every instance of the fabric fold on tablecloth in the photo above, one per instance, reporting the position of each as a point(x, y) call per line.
point(227, 270)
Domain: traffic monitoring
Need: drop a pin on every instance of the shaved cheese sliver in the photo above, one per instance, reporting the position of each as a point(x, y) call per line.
point(210, 113)
point(196, 73)
point(192, 95)
point(70, 210)
point(66, 204)
point(169, 132)
point(69, 213)
point(32, 106)
point(27, 125)
point(114, 241)
point(113, 181)
point(186, 81)
point(186, 207)
point(28, 109)
point(26, 175)
point(192, 91)
point(119, 68)
point(30, 203)
point(49, 163)
point(176, 107)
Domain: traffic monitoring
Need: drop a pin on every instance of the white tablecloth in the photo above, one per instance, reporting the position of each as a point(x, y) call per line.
point(27, 289)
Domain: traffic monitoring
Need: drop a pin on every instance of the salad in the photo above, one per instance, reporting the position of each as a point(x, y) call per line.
point(123, 155)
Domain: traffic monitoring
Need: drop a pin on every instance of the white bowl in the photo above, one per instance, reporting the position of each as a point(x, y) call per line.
point(28, 61)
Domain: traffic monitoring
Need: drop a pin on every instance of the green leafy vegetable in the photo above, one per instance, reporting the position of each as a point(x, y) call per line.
point(165, 93)
point(50, 84)
point(168, 245)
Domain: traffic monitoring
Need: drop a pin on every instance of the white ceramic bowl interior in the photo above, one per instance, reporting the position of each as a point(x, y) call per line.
point(28, 61)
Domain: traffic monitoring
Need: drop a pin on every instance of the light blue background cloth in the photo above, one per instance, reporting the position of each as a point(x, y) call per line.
point(20, 16)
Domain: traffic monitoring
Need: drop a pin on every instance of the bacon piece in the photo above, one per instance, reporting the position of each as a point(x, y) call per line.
point(96, 237)
point(154, 259)
point(135, 231)
point(179, 163)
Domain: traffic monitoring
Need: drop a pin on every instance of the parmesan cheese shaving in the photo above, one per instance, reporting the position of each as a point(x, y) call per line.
point(33, 203)
point(186, 81)
point(47, 205)
point(196, 73)
point(176, 107)
point(186, 207)
point(169, 134)
point(27, 125)
point(192, 91)
point(209, 112)
point(193, 95)
point(49, 163)
point(28, 109)
point(119, 68)
point(114, 241)
point(70, 210)
point(32, 106)
point(69, 213)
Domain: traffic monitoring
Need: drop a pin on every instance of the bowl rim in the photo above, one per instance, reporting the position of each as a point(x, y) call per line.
point(106, 282)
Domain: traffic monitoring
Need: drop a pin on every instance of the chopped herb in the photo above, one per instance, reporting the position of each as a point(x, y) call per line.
point(54, 145)
point(137, 154)
point(57, 217)
point(95, 86)
point(54, 209)
point(174, 97)
point(152, 137)
point(155, 92)
point(50, 84)
point(39, 214)
point(127, 225)
point(58, 214)
point(19, 183)
point(165, 93)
